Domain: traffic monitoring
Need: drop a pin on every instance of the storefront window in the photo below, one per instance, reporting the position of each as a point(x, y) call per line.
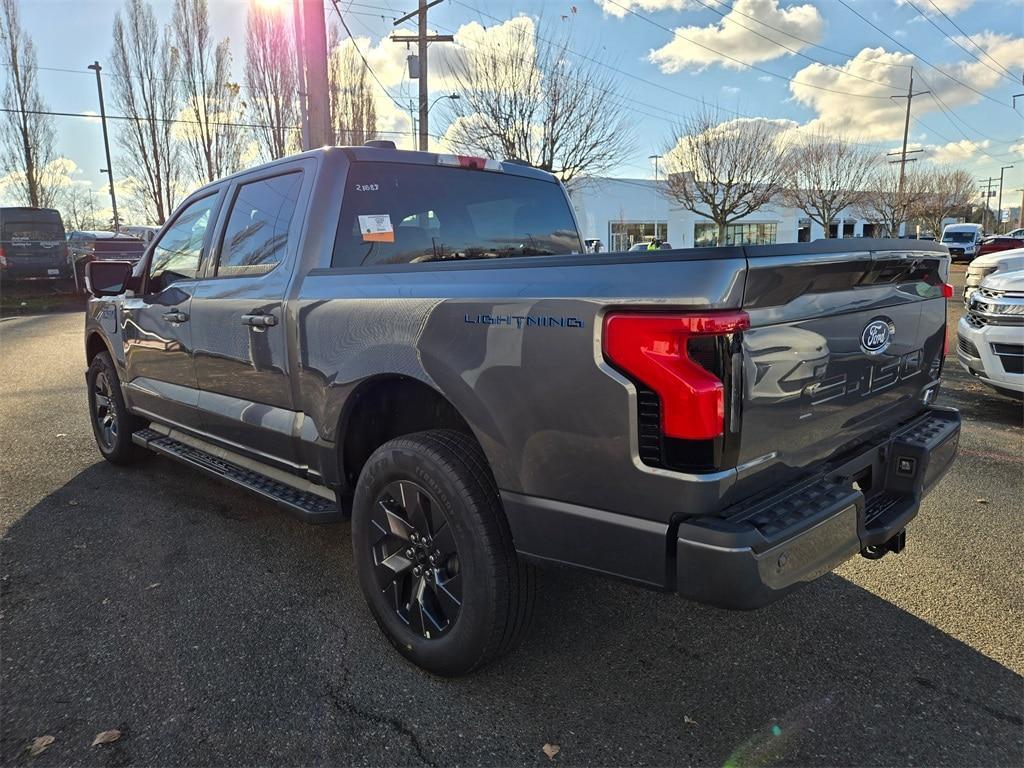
point(705, 234)
point(623, 234)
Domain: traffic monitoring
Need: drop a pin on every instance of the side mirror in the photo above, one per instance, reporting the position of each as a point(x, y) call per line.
point(107, 278)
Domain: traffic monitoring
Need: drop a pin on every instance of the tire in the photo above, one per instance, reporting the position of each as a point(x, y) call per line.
point(472, 602)
point(112, 424)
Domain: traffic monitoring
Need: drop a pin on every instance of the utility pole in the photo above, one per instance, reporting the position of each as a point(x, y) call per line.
point(311, 50)
point(109, 170)
point(988, 193)
point(906, 130)
point(421, 38)
point(999, 205)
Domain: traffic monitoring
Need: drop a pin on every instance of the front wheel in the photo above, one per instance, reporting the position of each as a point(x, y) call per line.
point(434, 554)
point(112, 424)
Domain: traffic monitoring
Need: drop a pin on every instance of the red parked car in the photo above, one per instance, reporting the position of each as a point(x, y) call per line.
point(996, 244)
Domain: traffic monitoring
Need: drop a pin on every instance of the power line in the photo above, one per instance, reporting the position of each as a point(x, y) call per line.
point(787, 48)
point(953, 40)
point(365, 62)
point(971, 39)
point(225, 123)
point(918, 56)
point(755, 67)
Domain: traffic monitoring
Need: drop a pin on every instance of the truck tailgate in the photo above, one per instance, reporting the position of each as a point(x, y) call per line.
point(842, 347)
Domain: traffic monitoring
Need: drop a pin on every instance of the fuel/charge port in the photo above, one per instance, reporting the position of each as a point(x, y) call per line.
point(895, 545)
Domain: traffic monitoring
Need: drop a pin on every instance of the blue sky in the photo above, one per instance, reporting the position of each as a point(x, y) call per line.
point(669, 53)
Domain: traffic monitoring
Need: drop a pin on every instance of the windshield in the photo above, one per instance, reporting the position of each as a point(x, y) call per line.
point(958, 237)
point(398, 213)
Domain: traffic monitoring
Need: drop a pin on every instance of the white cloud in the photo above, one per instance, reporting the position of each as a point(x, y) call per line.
point(616, 8)
point(1017, 149)
point(857, 93)
point(956, 151)
point(730, 89)
point(736, 36)
point(765, 78)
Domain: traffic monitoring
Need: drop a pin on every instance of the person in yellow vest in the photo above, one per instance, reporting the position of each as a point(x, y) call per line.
point(654, 245)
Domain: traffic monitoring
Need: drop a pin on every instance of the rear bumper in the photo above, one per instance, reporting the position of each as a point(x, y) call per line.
point(760, 550)
point(763, 551)
point(15, 271)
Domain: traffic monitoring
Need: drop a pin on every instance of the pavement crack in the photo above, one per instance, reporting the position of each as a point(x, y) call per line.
point(394, 723)
point(999, 714)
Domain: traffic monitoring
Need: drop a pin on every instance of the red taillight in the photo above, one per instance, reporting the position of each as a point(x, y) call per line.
point(3, 258)
point(947, 291)
point(652, 348)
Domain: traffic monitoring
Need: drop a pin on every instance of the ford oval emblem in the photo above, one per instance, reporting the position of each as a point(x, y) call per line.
point(877, 335)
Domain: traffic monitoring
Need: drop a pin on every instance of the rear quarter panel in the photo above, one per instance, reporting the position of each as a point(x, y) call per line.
point(516, 350)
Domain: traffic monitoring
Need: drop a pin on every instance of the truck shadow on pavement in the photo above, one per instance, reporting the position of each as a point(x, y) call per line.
point(213, 629)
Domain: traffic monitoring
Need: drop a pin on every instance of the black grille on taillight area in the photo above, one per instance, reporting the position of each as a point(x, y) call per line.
point(649, 425)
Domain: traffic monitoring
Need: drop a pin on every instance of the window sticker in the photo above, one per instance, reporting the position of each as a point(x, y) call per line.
point(376, 228)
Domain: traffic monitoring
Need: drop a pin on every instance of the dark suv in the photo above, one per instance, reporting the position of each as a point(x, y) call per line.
point(32, 245)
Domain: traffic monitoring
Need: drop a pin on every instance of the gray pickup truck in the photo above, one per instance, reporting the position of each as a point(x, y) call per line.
point(418, 342)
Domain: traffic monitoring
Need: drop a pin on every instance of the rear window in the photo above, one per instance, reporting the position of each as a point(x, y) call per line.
point(119, 245)
point(22, 227)
point(395, 213)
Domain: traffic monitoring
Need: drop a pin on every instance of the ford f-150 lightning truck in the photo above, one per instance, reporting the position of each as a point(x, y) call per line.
point(419, 342)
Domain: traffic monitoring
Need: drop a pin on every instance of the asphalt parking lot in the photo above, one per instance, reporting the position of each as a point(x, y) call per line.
point(211, 628)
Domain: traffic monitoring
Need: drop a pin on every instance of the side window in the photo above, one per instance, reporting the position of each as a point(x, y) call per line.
point(256, 237)
point(177, 254)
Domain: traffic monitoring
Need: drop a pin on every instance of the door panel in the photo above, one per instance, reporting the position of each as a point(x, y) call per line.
point(157, 325)
point(240, 349)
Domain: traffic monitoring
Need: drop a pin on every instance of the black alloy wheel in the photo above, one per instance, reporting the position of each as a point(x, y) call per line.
point(104, 412)
point(417, 561)
point(112, 423)
point(434, 554)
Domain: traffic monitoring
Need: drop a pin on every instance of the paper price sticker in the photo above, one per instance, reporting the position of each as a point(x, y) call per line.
point(376, 228)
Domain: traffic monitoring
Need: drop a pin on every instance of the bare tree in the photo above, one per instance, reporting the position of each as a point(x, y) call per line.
point(271, 79)
point(828, 174)
point(887, 203)
point(724, 170)
point(79, 208)
point(353, 108)
point(525, 99)
point(945, 192)
point(213, 141)
point(27, 136)
point(146, 70)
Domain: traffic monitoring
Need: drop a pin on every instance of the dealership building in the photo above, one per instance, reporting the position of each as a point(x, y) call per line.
point(621, 212)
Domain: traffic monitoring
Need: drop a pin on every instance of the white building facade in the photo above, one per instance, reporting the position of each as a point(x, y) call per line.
point(621, 212)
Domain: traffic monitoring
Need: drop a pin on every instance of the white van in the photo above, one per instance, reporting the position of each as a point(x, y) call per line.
point(963, 240)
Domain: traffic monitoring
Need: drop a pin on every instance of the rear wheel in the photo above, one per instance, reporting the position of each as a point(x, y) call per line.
point(112, 424)
point(434, 554)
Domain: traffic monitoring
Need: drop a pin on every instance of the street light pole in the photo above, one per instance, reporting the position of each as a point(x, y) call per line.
point(106, 144)
point(999, 205)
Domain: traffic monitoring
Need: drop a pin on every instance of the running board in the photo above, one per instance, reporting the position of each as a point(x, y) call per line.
point(309, 507)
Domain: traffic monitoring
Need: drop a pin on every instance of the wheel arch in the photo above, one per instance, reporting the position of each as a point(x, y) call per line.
point(387, 406)
point(94, 344)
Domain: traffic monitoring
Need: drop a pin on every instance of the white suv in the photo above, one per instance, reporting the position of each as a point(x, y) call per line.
point(990, 336)
point(991, 264)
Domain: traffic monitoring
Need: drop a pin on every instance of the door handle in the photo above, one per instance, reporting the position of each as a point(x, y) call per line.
point(259, 321)
point(175, 316)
